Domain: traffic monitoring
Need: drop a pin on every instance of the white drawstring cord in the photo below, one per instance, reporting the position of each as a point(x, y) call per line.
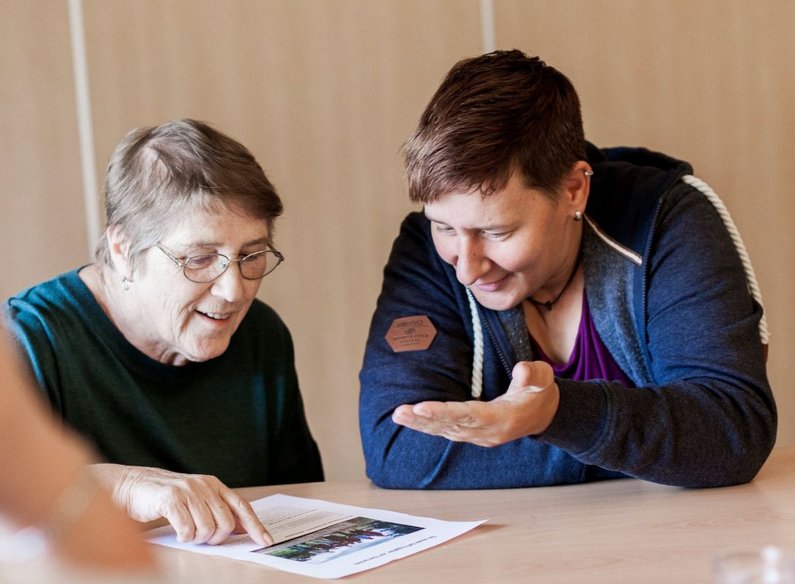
point(477, 359)
point(750, 276)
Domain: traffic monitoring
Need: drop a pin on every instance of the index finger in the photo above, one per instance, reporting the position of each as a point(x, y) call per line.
point(449, 412)
point(246, 518)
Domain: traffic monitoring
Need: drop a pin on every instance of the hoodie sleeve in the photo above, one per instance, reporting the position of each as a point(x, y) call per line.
point(709, 418)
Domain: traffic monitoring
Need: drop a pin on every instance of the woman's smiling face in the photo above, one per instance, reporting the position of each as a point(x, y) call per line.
point(510, 245)
point(175, 320)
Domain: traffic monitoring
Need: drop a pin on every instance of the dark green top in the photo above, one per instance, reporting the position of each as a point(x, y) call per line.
point(238, 417)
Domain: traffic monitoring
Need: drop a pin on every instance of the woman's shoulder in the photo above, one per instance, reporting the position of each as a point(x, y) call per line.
point(48, 318)
point(64, 296)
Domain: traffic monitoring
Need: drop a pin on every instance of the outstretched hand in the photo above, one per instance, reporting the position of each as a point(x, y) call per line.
point(199, 507)
point(527, 408)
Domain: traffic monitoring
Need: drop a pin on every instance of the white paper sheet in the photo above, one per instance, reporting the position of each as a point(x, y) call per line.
point(327, 540)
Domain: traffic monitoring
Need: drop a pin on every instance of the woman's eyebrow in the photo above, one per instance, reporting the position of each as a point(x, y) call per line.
point(264, 240)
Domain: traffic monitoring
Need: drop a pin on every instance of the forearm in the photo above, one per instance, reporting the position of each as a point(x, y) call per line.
point(401, 458)
point(691, 434)
point(40, 462)
point(39, 457)
point(45, 482)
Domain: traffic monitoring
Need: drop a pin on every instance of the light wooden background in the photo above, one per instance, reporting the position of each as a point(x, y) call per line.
point(325, 91)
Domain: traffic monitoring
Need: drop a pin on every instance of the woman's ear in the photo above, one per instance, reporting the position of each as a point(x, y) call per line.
point(577, 185)
point(119, 248)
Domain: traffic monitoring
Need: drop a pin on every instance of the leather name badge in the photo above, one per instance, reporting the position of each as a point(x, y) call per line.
point(410, 333)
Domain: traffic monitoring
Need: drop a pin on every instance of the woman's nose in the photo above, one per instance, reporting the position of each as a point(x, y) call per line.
point(229, 285)
point(470, 264)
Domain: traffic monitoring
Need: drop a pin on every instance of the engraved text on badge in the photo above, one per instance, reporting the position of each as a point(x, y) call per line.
point(410, 333)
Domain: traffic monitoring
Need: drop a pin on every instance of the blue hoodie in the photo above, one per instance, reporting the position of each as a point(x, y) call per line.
point(670, 299)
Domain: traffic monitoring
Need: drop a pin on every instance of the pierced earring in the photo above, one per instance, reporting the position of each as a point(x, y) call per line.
point(125, 283)
point(588, 172)
point(578, 215)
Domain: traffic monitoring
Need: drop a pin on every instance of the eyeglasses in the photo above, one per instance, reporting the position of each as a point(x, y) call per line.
point(209, 266)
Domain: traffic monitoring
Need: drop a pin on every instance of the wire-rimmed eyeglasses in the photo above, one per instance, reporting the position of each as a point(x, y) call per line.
point(207, 267)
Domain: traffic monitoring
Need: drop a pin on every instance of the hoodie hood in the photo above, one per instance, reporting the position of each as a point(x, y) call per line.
point(631, 179)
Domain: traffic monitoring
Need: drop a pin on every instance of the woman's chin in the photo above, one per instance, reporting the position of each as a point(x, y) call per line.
point(497, 300)
point(206, 353)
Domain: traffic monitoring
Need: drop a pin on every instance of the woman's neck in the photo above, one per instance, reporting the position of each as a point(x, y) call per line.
point(555, 330)
point(108, 290)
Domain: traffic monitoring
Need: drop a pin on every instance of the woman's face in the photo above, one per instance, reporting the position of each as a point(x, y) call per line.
point(176, 320)
point(507, 246)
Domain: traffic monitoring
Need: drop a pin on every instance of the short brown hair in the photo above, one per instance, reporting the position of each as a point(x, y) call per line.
point(492, 115)
point(155, 172)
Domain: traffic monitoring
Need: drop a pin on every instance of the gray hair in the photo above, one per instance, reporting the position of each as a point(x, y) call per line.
point(154, 173)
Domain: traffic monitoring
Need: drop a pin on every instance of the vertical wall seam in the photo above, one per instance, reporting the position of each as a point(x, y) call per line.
point(488, 31)
point(85, 129)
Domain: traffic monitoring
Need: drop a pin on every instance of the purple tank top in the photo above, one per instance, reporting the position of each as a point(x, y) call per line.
point(590, 359)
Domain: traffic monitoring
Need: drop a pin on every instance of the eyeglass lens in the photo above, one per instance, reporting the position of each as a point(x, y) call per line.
point(207, 267)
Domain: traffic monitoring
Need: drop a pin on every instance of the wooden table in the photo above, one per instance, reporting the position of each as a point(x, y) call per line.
point(614, 531)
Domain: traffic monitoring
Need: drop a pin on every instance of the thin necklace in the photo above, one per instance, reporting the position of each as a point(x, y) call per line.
point(548, 304)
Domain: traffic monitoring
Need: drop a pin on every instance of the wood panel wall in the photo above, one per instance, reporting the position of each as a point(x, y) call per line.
point(42, 225)
point(325, 91)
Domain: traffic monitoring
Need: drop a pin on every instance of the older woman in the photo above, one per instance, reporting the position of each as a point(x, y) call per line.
point(160, 353)
point(583, 313)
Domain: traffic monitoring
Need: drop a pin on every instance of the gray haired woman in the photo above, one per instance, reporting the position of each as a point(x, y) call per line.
point(160, 352)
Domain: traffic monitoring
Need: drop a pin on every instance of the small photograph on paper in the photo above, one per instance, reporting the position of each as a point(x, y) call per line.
point(341, 539)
